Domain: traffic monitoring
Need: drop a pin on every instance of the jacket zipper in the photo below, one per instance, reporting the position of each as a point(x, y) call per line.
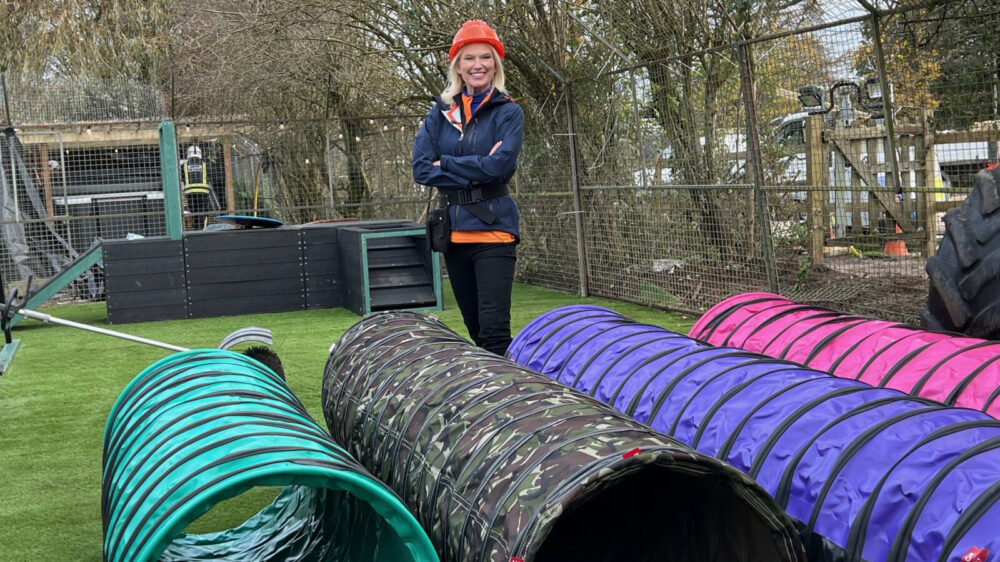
point(461, 133)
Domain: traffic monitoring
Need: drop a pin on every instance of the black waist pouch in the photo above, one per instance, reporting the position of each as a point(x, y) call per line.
point(439, 229)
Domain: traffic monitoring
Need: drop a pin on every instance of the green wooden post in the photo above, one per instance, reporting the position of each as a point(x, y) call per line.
point(171, 180)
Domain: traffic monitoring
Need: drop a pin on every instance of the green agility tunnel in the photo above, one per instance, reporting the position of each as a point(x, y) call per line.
point(502, 464)
point(201, 426)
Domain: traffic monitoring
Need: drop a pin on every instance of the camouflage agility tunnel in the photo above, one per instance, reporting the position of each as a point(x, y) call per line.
point(202, 426)
point(871, 473)
point(501, 464)
point(949, 368)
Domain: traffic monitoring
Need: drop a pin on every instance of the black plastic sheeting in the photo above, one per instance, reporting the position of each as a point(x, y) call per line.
point(871, 473)
point(202, 426)
point(499, 463)
point(25, 237)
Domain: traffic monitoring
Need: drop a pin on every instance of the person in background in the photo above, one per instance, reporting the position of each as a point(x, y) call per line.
point(197, 191)
point(467, 148)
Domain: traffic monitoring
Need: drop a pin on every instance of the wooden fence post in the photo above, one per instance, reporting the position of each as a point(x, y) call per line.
point(816, 174)
point(227, 163)
point(930, 181)
point(43, 166)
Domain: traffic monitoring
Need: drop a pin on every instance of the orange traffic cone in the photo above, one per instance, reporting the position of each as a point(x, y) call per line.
point(895, 247)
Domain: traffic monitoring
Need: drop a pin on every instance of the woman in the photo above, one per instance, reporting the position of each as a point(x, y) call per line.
point(467, 149)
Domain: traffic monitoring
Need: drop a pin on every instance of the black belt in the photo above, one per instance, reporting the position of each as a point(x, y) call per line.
point(473, 195)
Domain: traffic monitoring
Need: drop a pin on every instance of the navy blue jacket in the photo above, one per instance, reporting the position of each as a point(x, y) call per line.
point(465, 157)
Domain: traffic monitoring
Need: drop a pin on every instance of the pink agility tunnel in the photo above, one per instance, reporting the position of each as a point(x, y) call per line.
point(949, 368)
point(870, 473)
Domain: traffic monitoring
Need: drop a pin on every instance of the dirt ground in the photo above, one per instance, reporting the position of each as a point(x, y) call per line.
point(912, 267)
point(877, 287)
point(887, 288)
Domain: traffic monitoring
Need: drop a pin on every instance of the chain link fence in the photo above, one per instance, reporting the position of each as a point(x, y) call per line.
point(672, 157)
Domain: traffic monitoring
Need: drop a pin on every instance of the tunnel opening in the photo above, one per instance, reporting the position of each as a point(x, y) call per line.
point(659, 513)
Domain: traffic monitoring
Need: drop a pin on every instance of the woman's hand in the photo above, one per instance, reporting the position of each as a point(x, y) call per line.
point(436, 163)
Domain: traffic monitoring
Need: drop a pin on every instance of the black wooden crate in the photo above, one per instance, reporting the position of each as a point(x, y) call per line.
point(144, 280)
point(321, 264)
point(243, 272)
point(388, 267)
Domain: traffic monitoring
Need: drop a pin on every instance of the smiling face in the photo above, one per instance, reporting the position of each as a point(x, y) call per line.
point(476, 67)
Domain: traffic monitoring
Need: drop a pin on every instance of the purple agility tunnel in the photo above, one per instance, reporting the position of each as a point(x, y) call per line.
point(949, 368)
point(871, 473)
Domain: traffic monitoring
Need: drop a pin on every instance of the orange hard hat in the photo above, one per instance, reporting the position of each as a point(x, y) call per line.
point(475, 31)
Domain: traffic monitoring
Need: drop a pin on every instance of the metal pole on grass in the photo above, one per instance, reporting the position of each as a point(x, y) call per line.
point(51, 319)
point(581, 248)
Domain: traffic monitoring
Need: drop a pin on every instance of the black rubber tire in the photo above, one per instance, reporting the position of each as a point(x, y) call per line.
point(965, 273)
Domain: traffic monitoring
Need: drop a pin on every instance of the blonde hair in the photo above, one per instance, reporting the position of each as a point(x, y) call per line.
point(455, 83)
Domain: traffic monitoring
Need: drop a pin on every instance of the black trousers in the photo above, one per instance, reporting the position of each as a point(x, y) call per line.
point(482, 277)
point(200, 204)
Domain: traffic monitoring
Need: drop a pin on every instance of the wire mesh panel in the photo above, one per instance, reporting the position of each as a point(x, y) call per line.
point(871, 270)
point(305, 170)
point(52, 98)
point(544, 186)
point(547, 255)
point(879, 181)
point(675, 247)
point(65, 191)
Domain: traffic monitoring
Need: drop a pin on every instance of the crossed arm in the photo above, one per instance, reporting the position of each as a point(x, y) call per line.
point(430, 167)
point(492, 150)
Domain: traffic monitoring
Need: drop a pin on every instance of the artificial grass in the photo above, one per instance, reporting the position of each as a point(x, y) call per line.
point(56, 395)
